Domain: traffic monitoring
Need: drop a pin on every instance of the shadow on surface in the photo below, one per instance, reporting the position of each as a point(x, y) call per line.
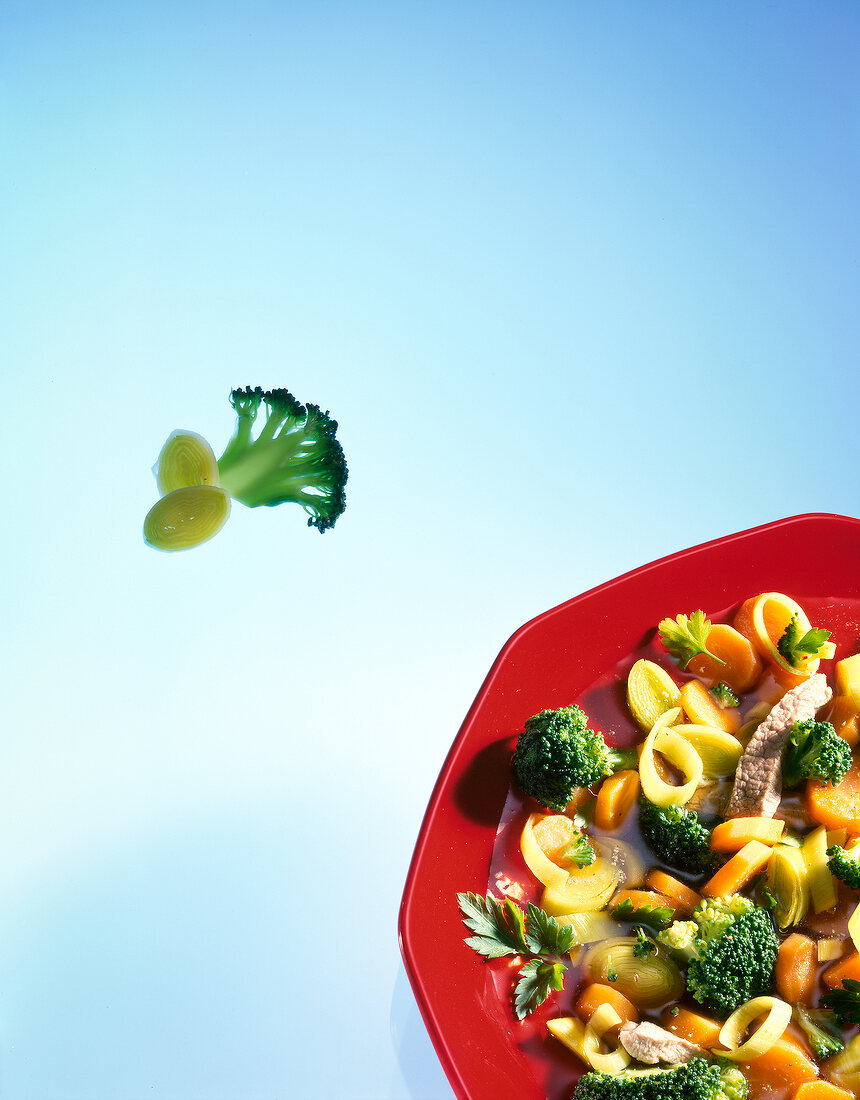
point(421, 1075)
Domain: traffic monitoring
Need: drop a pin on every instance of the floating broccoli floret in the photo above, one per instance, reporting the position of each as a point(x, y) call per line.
point(732, 957)
point(680, 937)
point(821, 1030)
point(814, 750)
point(694, 1080)
point(844, 863)
point(294, 457)
point(557, 752)
point(676, 835)
point(845, 1002)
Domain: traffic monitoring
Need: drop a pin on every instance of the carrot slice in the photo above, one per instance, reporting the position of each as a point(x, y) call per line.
point(683, 899)
point(731, 836)
point(742, 667)
point(849, 967)
point(763, 620)
point(821, 1090)
point(701, 1030)
point(841, 713)
point(596, 994)
point(779, 1071)
point(641, 898)
point(796, 968)
point(703, 709)
point(836, 807)
point(615, 798)
point(735, 874)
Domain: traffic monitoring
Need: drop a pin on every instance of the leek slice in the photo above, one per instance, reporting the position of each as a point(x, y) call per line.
point(854, 926)
point(591, 926)
point(583, 890)
point(719, 751)
point(847, 674)
point(602, 1019)
point(186, 517)
point(821, 887)
point(651, 691)
point(570, 1031)
point(680, 752)
point(185, 459)
point(648, 981)
point(846, 1064)
point(537, 861)
point(788, 881)
point(733, 1030)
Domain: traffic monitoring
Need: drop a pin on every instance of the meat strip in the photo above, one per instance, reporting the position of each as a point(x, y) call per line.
point(758, 787)
point(651, 1044)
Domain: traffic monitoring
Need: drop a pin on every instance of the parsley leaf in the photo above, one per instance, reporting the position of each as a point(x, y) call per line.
point(798, 647)
point(536, 981)
point(501, 928)
point(724, 695)
point(654, 916)
point(685, 638)
point(845, 1002)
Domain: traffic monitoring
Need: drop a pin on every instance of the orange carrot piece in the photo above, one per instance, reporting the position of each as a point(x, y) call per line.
point(779, 1071)
point(615, 798)
point(683, 899)
point(553, 833)
point(703, 709)
point(796, 969)
point(821, 1090)
point(731, 836)
point(641, 898)
point(849, 967)
point(701, 1030)
point(836, 807)
point(735, 874)
point(742, 667)
point(596, 994)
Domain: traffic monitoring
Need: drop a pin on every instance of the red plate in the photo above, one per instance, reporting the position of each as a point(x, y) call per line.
point(550, 662)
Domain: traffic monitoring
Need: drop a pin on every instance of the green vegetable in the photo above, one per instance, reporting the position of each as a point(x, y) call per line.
point(814, 750)
point(654, 916)
point(821, 1029)
point(694, 1080)
point(845, 1002)
point(645, 946)
point(556, 753)
point(724, 695)
point(676, 835)
point(796, 646)
point(844, 863)
point(501, 928)
point(294, 458)
point(685, 638)
point(611, 972)
point(732, 957)
point(579, 852)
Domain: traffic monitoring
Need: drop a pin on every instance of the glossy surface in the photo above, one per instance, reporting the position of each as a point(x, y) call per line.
point(550, 662)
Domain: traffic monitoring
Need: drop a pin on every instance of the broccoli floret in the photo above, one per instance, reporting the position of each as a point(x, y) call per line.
point(844, 1001)
point(844, 863)
point(694, 1080)
point(295, 457)
point(734, 955)
point(821, 1029)
point(814, 750)
point(557, 752)
point(680, 937)
point(677, 836)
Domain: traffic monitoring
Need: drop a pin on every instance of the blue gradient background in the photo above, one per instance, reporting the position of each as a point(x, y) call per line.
point(580, 283)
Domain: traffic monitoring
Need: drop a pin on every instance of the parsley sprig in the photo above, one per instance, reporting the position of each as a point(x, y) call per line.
point(502, 928)
point(653, 916)
point(685, 638)
point(845, 1002)
point(798, 647)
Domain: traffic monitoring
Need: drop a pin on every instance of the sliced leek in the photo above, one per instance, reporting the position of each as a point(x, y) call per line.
point(186, 517)
point(623, 856)
point(570, 1031)
point(854, 926)
point(821, 886)
point(718, 750)
point(617, 1059)
point(677, 750)
point(651, 691)
point(185, 459)
point(588, 927)
point(733, 1030)
point(788, 882)
point(648, 981)
point(583, 890)
point(538, 862)
point(847, 674)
